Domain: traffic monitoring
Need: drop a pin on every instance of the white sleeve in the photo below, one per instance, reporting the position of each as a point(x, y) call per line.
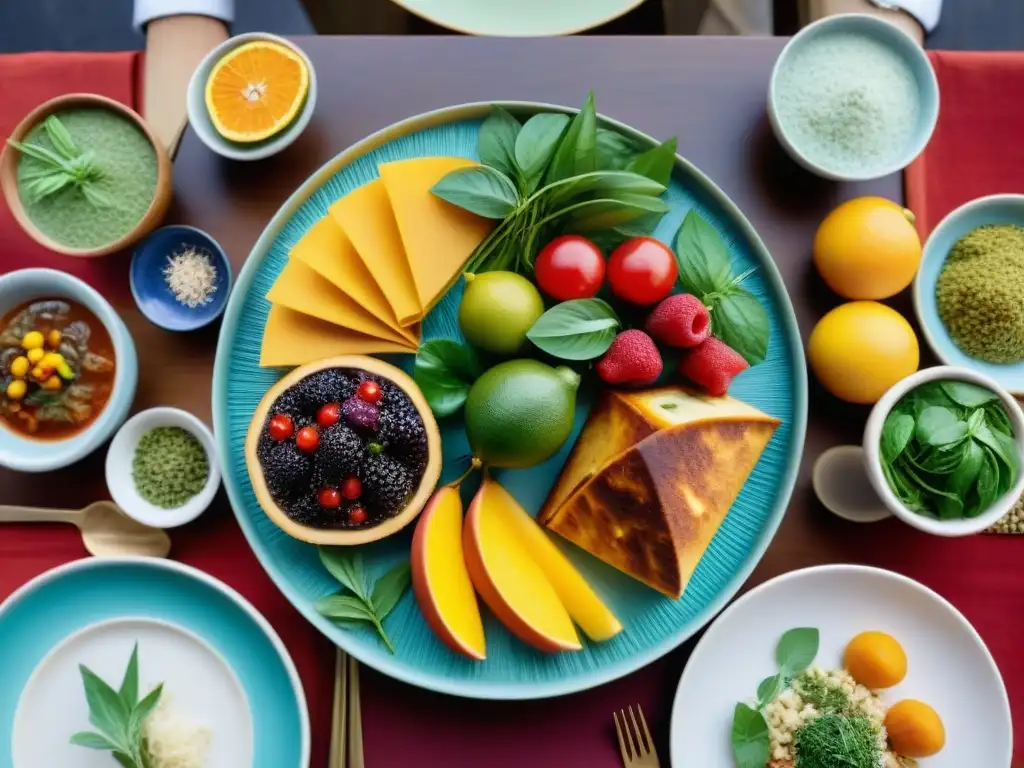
point(147, 10)
point(927, 12)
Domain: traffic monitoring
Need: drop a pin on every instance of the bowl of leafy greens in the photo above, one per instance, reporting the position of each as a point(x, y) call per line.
point(943, 449)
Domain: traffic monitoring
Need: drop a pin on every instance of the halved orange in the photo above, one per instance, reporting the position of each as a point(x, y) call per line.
point(256, 90)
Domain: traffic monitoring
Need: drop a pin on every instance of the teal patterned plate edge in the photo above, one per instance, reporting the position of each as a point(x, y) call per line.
point(654, 625)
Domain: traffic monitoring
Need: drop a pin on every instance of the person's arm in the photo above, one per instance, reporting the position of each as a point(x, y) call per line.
point(179, 33)
point(816, 9)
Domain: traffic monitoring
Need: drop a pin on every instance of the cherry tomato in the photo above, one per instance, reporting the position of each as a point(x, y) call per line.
point(330, 498)
point(357, 515)
point(280, 427)
point(351, 488)
point(642, 271)
point(308, 439)
point(369, 392)
point(569, 267)
point(328, 415)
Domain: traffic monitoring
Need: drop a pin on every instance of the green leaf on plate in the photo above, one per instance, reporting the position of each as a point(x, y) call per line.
point(896, 433)
point(611, 211)
point(738, 319)
point(481, 189)
point(536, 144)
point(576, 152)
point(613, 150)
point(129, 692)
point(580, 329)
point(966, 394)
point(497, 142)
point(445, 370)
point(938, 425)
point(91, 740)
point(768, 689)
point(704, 262)
point(796, 650)
point(750, 738)
point(389, 589)
point(656, 163)
point(346, 567)
point(344, 607)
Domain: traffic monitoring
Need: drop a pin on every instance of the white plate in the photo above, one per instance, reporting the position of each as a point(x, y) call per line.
point(197, 680)
point(949, 666)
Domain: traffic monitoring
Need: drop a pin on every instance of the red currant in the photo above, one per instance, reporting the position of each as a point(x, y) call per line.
point(351, 488)
point(328, 415)
point(308, 439)
point(280, 427)
point(330, 498)
point(357, 515)
point(369, 392)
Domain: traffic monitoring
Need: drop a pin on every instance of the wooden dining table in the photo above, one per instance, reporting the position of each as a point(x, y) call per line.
point(711, 94)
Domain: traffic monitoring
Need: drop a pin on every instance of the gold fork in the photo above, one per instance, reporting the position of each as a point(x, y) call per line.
point(635, 742)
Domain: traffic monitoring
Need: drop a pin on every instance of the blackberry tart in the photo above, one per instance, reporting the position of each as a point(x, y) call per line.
point(343, 451)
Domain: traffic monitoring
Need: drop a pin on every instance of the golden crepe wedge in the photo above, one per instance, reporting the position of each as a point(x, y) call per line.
point(651, 478)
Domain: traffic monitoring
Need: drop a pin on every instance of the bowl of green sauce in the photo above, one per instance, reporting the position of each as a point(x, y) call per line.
point(162, 467)
point(943, 450)
point(969, 289)
point(85, 175)
point(853, 97)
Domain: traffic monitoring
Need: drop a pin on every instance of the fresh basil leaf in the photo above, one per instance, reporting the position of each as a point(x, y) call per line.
point(389, 589)
point(967, 394)
point(987, 485)
point(445, 370)
point(141, 711)
point(997, 419)
point(607, 212)
point(1004, 448)
point(768, 689)
point(576, 151)
point(610, 239)
point(481, 189)
point(536, 144)
point(613, 150)
point(896, 434)
point(347, 607)
point(739, 320)
point(579, 329)
point(656, 163)
point(346, 567)
point(962, 479)
point(91, 740)
point(704, 262)
point(750, 739)
point(107, 711)
point(497, 142)
point(975, 420)
point(796, 650)
point(939, 426)
point(130, 684)
point(602, 183)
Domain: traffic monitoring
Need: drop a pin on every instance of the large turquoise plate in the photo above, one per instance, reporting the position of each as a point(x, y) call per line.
point(654, 624)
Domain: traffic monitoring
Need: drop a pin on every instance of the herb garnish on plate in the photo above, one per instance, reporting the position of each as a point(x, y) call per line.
point(947, 450)
point(64, 166)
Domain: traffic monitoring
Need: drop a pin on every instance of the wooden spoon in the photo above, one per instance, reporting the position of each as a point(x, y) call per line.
point(106, 530)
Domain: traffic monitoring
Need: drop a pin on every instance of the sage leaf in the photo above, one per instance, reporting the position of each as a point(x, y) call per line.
point(704, 262)
point(344, 607)
point(750, 740)
point(768, 689)
point(896, 434)
point(938, 426)
point(656, 163)
point(575, 153)
point(739, 320)
point(389, 589)
point(481, 189)
point(796, 650)
point(107, 711)
point(496, 143)
point(92, 741)
point(579, 329)
point(613, 151)
point(536, 144)
point(129, 691)
point(445, 370)
point(346, 568)
point(966, 394)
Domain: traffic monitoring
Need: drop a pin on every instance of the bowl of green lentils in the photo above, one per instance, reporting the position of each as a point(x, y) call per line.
point(162, 467)
point(969, 289)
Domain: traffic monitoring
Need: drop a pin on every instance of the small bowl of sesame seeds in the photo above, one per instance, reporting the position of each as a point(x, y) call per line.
point(180, 278)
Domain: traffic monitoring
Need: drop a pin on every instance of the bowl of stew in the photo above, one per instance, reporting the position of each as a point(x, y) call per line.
point(68, 370)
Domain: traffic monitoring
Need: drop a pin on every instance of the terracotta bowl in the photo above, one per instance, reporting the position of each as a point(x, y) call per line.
point(9, 175)
point(334, 536)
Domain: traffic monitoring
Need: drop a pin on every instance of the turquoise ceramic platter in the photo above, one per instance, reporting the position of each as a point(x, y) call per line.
point(519, 18)
point(53, 608)
point(653, 624)
point(995, 209)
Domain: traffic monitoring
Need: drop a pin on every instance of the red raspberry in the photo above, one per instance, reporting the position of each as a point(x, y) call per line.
point(679, 321)
point(631, 359)
point(712, 365)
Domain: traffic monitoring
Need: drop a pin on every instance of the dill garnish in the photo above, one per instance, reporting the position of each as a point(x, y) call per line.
point(815, 689)
point(837, 741)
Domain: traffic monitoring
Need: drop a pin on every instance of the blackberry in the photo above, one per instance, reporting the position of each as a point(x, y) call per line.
point(286, 469)
point(339, 454)
point(331, 385)
point(307, 511)
point(361, 415)
point(288, 403)
point(387, 485)
point(403, 435)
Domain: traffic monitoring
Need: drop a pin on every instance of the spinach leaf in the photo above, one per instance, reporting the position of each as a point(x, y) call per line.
point(896, 433)
point(750, 739)
point(966, 394)
point(657, 163)
point(938, 426)
point(738, 319)
point(579, 329)
point(496, 143)
point(481, 189)
point(445, 370)
point(536, 144)
point(704, 263)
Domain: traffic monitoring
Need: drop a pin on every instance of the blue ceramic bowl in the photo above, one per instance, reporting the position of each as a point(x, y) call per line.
point(150, 289)
point(26, 455)
point(896, 40)
point(996, 209)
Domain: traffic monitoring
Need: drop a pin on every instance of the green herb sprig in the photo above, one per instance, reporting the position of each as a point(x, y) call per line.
point(445, 370)
point(705, 270)
point(832, 740)
point(948, 450)
point(367, 604)
point(751, 741)
point(578, 329)
point(555, 175)
point(118, 716)
point(63, 166)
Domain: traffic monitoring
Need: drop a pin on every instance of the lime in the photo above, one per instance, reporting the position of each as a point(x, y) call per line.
point(520, 413)
point(497, 310)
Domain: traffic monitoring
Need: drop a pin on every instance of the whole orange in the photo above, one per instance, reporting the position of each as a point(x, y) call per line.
point(867, 248)
point(914, 728)
point(876, 660)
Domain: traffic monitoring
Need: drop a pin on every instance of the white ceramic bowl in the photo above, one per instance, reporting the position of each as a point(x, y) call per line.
point(26, 455)
point(119, 468)
point(199, 117)
point(873, 461)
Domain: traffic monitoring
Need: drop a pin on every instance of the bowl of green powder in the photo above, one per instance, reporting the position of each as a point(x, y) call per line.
point(162, 467)
point(969, 289)
point(853, 97)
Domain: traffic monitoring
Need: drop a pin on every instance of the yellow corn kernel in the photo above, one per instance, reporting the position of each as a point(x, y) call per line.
point(35, 355)
point(53, 384)
point(32, 340)
point(19, 366)
point(40, 374)
point(64, 371)
point(17, 389)
point(51, 360)
point(53, 338)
